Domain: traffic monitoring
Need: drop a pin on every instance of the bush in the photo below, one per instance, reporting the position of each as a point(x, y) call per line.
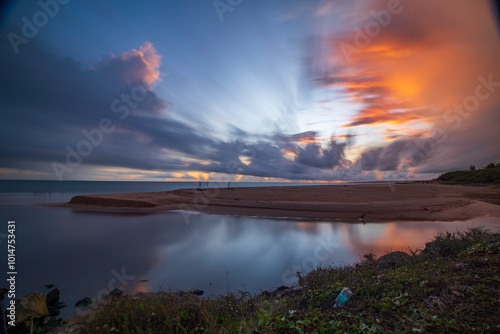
point(490, 165)
point(488, 174)
point(452, 286)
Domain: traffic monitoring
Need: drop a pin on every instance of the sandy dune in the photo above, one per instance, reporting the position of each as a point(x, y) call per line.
point(370, 202)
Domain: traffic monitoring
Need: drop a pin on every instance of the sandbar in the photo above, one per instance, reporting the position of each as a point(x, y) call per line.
point(425, 200)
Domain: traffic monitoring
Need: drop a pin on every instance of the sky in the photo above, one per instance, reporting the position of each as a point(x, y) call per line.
point(240, 90)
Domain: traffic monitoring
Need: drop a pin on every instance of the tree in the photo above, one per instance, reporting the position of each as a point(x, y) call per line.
point(472, 167)
point(490, 165)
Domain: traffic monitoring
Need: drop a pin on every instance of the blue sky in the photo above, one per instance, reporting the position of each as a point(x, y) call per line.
point(263, 94)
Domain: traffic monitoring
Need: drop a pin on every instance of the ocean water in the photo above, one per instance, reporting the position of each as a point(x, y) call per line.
point(88, 253)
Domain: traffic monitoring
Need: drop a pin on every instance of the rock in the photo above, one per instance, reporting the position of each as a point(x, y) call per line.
point(60, 305)
point(196, 292)
point(33, 305)
point(279, 290)
point(266, 293)
point(274, 292)
point(84, 302)
point(282, 291)
point(392, 260)
point(52, 297)
point(55, 310)
point(115, 293)
point(293, 291)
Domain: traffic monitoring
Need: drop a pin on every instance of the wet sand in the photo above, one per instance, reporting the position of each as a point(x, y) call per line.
point(368, 202)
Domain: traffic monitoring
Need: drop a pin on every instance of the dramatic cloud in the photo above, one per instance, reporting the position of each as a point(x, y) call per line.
point(133, 67)
point(427, 70)
point(416, 83)
point(108, 116)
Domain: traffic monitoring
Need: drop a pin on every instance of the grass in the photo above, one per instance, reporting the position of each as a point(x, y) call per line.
point(487, 175)
point(451, 286)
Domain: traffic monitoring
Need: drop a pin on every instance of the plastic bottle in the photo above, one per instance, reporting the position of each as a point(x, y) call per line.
point(343, 297)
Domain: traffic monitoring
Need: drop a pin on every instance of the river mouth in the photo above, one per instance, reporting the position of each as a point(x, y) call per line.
point(83, 253)
point(88, 253)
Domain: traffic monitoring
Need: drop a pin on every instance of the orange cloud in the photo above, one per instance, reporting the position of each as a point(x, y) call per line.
point(415, 65)
point(412, 73)
point(150, 59)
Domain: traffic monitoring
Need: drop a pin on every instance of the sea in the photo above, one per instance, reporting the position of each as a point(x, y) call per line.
point(88, 253)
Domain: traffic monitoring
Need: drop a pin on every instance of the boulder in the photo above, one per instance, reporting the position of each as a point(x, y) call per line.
point(196, 292)
point(33, 305)
point(282, 291)
point(84, 302)
point(391, 260)
point(115, 293)
point(273, 293)
point(52, 297)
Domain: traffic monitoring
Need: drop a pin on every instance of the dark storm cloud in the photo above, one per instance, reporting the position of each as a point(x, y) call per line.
point(49, 102)
point(267, 158)
point(386, 158)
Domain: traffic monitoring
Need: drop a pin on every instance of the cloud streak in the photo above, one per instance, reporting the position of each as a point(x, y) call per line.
point(412, 83)
point(69, 103)
point(410, 74)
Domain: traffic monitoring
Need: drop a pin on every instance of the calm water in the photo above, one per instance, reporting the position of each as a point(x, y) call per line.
point(86, 253)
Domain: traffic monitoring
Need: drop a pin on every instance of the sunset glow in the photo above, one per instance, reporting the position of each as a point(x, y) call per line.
point(352, 91)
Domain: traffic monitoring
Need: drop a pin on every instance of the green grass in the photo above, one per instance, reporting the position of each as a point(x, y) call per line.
point(452, 286)
point(488, 175)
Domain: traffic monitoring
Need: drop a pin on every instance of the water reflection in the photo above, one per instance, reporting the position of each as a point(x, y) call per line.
point(78, 250)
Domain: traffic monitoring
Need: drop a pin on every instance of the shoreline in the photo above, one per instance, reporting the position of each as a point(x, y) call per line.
point(458, 271)
point(428, 200)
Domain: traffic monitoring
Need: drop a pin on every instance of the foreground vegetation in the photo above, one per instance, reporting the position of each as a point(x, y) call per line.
point(453, 285)
point(487, 175)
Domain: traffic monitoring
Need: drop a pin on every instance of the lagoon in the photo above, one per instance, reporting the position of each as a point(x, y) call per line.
point(87, 253)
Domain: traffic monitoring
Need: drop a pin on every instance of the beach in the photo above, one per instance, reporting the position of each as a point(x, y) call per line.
point(426, 200)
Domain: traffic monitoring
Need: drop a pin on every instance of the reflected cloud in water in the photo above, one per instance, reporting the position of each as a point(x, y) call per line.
point(77, 250)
